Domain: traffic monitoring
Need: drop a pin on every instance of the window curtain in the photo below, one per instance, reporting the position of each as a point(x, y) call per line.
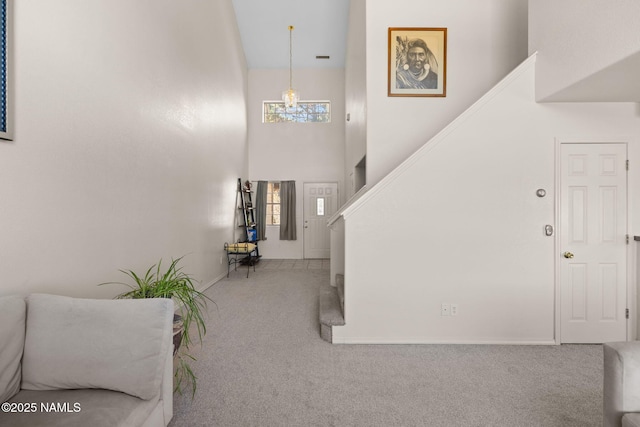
point(287, 210)
point(261, 209)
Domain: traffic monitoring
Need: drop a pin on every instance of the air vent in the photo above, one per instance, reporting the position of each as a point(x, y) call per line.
point(322, 56)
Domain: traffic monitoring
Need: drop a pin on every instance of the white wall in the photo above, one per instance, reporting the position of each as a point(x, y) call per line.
point(486, 40)
point(459, 222)
point(130, 131)
point(304, 152)
point(356, 94)
point(588, 50)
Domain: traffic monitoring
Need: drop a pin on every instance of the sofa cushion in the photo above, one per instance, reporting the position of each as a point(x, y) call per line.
point(631, 420)
point(74, 343)
point(12, 328)
point(79, 408)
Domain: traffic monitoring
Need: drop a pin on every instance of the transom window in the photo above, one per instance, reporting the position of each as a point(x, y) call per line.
point(305, 112)
point(273, 203)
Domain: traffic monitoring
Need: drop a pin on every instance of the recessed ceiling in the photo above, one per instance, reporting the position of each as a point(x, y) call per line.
point(320, 30)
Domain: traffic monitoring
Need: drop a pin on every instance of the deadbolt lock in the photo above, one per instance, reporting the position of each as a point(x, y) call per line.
point(567, 255)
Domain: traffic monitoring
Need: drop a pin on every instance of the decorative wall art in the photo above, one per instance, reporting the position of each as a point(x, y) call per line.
point(417, 62)
point(6, 77)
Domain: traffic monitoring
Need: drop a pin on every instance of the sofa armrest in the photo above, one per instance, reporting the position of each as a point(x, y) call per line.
point(167, 387)
point(621, 381)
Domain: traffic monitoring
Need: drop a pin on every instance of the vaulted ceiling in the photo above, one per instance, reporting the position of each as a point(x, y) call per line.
point(320, 30)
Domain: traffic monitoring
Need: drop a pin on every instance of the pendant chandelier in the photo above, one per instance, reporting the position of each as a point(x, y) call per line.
point(290, 96)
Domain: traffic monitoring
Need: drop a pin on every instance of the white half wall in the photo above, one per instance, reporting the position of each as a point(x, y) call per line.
point(486, 40)
point(304, 152)
point(130, 133)
point(588, 50)
point(460, 223)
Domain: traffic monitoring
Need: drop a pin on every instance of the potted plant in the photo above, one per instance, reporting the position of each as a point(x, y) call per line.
point(191, 305)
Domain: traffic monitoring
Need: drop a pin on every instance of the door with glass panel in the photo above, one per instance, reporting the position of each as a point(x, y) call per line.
point(320, 203)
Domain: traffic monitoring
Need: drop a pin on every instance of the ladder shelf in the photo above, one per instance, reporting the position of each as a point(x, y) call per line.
point(245, 251)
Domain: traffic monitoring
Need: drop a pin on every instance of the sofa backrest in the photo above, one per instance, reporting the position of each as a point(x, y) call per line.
point(12, 328)
point(119, 345)
point(621, 388)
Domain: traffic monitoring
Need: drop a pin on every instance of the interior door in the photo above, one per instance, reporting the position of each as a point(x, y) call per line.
point(593, 243)
point(320, 203)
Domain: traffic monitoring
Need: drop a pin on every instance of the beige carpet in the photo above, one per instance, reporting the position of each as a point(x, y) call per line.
point(263, 363)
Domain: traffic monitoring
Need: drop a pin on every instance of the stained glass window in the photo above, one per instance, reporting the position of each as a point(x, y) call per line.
point(305, 112)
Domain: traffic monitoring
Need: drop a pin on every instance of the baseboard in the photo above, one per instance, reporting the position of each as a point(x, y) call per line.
point(419, 340)
point(203, 287)
point(200, 287)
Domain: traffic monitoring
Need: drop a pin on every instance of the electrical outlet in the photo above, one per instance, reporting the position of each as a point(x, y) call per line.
point(445, 310)
point(454, 309)
point(220, 260)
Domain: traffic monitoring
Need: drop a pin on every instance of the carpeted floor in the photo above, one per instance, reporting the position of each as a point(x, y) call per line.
point(263, 363)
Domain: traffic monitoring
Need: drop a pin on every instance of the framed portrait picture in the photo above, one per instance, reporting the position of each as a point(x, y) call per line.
point(417, 62)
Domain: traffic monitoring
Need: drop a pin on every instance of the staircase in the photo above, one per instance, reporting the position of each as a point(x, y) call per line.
point(331, 308)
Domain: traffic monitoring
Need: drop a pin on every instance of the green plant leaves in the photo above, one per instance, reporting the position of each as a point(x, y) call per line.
point(190, 303)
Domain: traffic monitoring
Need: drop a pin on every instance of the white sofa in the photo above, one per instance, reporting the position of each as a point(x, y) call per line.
point(85, 362)
point(622, 384)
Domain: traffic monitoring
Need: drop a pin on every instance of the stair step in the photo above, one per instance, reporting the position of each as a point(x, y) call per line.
point(330, 312)
point(340, 287)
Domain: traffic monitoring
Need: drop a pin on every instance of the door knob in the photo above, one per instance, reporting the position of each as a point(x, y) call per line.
point(567, 255)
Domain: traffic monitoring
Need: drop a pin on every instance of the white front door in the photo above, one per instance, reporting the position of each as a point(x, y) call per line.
point(593, 245)
point(320, 203)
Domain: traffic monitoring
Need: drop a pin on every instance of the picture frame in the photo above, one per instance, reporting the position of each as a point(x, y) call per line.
point(417, 62)
point(6, 69)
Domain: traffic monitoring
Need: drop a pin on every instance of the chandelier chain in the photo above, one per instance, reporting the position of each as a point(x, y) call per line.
point(290, 57)
point(290, 96)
